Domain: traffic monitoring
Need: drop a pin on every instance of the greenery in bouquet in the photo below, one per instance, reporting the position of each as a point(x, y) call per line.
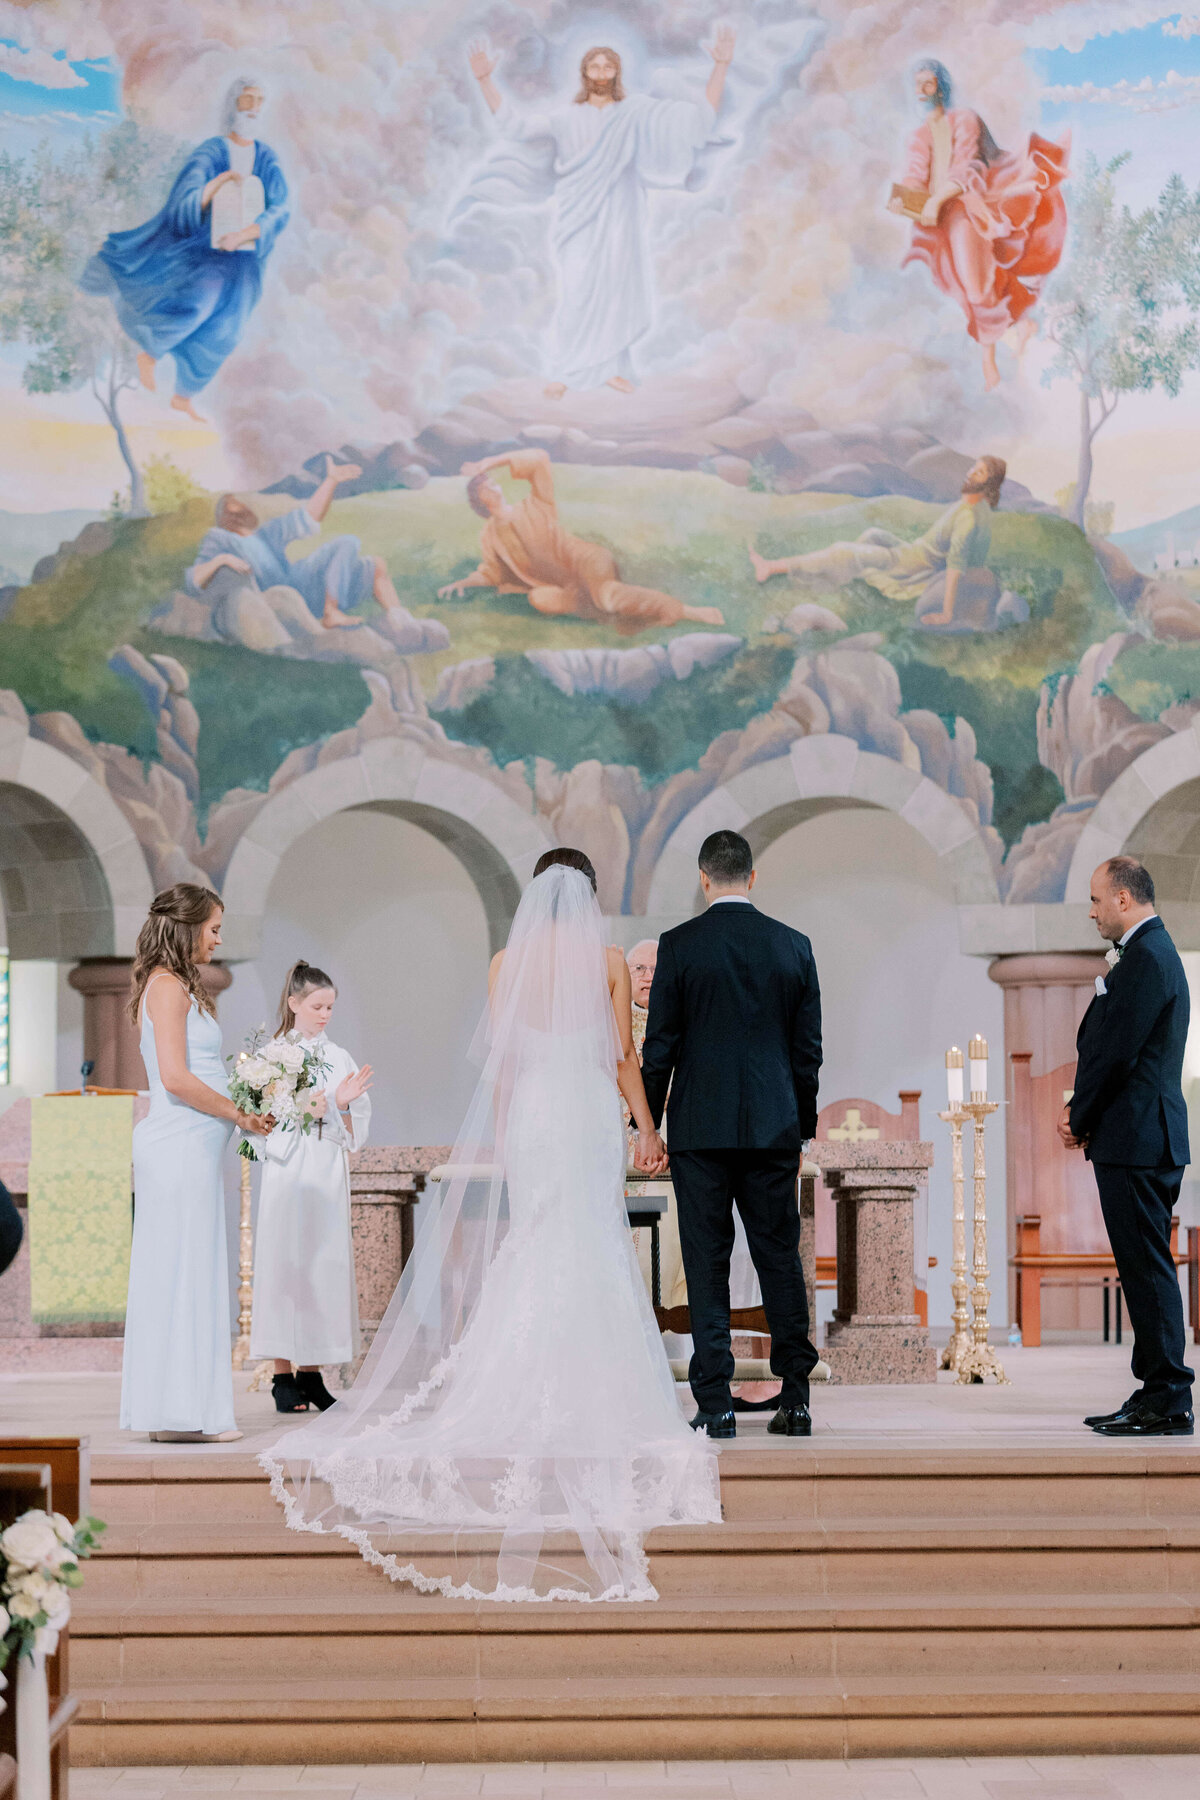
point(273, 1077)
point(39, 1564)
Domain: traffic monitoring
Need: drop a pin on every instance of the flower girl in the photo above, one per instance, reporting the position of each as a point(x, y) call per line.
point(305, 1302)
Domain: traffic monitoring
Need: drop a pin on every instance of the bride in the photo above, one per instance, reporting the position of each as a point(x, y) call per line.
point(516, 1413)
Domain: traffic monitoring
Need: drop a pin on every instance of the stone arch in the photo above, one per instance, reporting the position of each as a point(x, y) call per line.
point(1154, 788)
point(1152, 811)
point(72, 873)
point(818, 775)
point(495, 839)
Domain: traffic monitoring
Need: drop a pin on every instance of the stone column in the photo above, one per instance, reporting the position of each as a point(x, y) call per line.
point(1045, 997)
point(874, 1335)
point(386, 1182)
point(110, 1039)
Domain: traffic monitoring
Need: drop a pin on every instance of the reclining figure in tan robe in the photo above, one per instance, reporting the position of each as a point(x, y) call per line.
point(526, 551)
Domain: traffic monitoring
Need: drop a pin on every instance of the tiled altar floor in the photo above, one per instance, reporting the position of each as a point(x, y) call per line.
point(1050, 1389)
point(929, 1778)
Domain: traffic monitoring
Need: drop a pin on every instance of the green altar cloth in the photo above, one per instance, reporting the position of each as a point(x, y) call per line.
point(80, 1220)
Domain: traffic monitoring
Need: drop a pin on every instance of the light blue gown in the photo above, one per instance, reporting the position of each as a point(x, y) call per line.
point(177, 1374)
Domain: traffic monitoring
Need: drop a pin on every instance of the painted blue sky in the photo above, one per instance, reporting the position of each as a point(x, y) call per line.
point(39, 92)
point(1136, 91)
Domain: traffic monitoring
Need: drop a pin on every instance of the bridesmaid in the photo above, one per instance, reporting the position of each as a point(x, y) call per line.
point(305, 1301)
point(177, 1380)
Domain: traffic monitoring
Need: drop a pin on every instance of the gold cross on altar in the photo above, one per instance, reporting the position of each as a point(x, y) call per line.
point(852, 1130)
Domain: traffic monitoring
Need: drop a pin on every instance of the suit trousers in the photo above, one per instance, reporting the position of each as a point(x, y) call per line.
point(1137, 1205)
point(762, 1185)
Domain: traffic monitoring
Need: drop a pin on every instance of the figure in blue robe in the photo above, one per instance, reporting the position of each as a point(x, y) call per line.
point(177, 294)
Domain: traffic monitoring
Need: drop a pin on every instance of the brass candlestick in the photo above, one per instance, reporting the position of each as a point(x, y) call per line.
point(979, 1360)
point(960, 1337)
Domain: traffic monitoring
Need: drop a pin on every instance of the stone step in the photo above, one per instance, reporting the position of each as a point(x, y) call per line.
point(402, 1636)
point(767, 1480)
point(446, 1719)
point(243, 1559)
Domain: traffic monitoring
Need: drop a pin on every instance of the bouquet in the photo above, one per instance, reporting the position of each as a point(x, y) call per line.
point(273, 1076)
point(39, 1564)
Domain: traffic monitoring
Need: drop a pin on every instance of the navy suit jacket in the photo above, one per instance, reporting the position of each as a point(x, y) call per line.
point(735, 1018)
point(1128, 1102)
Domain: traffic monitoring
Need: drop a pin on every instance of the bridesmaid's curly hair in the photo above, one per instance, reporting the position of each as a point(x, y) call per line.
point(168, 941)
point(301, 979)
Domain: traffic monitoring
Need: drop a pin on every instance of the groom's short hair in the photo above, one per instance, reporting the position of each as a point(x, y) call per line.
point(726, 858)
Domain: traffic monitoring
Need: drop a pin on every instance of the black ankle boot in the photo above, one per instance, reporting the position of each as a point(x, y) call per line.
point(312, 1388)
point(287, 1394)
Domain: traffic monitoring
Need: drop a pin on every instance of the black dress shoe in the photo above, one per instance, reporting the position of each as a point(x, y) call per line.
point(1149, 1424)
point(792, 1421)
point(312, 1388)
point(717, 1425)
point(287, 1395)
point(1132, 1405)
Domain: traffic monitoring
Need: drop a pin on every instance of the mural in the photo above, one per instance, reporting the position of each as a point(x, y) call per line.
point(603, 399)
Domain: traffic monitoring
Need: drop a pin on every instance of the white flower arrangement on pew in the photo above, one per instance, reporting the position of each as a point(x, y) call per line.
point(272, 1077)
point(39, 1565)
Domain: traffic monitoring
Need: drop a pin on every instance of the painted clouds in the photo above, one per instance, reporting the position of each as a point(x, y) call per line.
point(783, 271)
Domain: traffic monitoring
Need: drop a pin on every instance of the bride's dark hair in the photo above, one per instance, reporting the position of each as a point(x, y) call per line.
point(570, 859)
point(301, 979)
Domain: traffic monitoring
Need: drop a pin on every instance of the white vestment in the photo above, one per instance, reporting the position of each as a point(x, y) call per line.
point(305, 1299)
point(597, 162)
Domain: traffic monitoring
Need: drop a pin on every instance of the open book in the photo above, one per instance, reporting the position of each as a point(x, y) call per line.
point(912, 199)
point(237, 204)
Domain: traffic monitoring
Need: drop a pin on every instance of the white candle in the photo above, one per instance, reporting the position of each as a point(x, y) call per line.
point(977, 1053)
point(954, 1076)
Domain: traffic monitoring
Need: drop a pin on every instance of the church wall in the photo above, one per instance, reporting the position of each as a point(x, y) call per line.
point(393, 917)
point(896, 993)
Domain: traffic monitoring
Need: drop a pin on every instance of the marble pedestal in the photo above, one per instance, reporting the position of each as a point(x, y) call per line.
point(874, 1335)
point(386, 1183)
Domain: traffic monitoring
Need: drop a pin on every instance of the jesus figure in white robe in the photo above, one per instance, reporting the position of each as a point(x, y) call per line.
point(597, 157)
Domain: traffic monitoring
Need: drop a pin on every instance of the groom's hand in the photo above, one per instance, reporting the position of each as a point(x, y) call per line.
point(651, 1154)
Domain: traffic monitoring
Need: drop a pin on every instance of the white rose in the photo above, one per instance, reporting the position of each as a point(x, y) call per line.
point(278, 1097)
point(58, 1609)
point(39, 1587)
point(32, 1540)
point(24, 1606)
point(291, 1057)
point(255, 1071)
point(64, 1528)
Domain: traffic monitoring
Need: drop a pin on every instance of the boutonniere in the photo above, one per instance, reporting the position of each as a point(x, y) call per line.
point(1112, 957)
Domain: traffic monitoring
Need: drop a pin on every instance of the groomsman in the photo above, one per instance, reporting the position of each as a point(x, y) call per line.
point(735, 1018)
point(1128, 1116)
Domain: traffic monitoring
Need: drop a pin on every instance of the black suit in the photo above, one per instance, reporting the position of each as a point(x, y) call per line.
point(734, 1031)
point(11, 1230)
point(1128, 1108)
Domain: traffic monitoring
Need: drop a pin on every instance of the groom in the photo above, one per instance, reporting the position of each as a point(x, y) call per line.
point(735, 1019)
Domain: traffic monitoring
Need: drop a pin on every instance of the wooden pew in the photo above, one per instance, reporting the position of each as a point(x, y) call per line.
point(1033, 1265)
point(50, 1474)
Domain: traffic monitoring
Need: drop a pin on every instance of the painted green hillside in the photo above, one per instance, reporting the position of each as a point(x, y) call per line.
point(255, 708)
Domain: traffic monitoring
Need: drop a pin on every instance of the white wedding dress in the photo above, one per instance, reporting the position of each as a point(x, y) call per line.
point(516, 1422)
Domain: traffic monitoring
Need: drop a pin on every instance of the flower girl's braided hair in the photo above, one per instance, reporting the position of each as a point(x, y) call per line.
point(302, 978)
point(168, 941)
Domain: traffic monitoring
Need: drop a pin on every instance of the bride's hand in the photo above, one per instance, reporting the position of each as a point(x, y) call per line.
point(651, 1152)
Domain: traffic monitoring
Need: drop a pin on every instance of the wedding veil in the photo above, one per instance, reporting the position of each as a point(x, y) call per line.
point(515, 1421)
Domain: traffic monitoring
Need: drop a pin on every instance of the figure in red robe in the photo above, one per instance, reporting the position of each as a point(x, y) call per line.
point(990, 223)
